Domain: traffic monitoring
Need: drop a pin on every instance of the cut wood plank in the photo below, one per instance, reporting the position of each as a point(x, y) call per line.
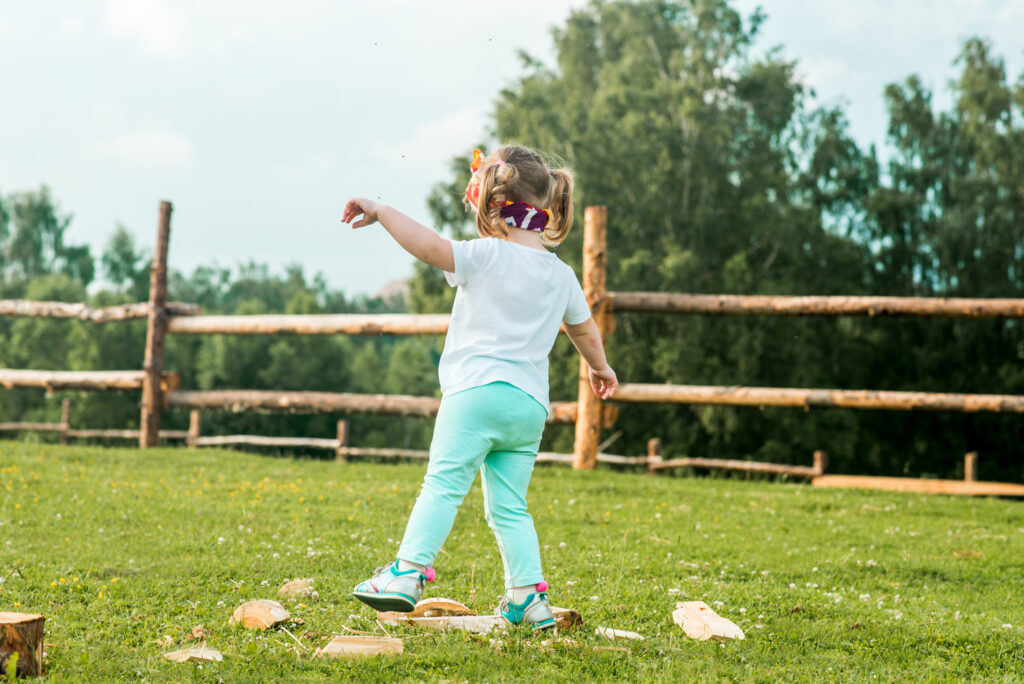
point(907, 484)
point(610, 633)
point(357, 646)
point(261, 614)
point(296, 588)
point(700, 622)
point(478, 624)
point(200, 654)
point(22, 633)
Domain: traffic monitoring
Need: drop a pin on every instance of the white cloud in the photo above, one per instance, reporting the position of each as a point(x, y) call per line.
point(151, 148)
point(830, 77)
point(305, 171)
point(70, 28)
point(154, 25)
point(445, 137)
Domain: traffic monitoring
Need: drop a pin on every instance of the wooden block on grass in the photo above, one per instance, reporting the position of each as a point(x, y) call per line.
point(261, 614)
point(701, 623)
point(22, 633)
point(358, 646)
point(609, 633)
point(199, 654)
point(296, 588)
point(478, 624)
point(431, 607)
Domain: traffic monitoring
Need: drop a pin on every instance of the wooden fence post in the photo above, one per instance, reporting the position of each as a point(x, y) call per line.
point(653, 454)
point(65, 420)
point(194, 427)
point(340, 453)
point(971, 466)
point(156, 328)
point(820, 462)
point(588, 418)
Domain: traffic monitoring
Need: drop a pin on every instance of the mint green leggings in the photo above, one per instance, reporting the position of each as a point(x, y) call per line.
point(495, 429)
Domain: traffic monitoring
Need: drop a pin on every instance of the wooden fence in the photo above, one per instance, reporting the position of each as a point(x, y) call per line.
point(160, 389)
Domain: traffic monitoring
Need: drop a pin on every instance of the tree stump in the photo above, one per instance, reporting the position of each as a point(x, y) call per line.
point(22, 633)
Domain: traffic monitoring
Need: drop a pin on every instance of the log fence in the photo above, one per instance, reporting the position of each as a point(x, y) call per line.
point(65, 431)
point(160, 389)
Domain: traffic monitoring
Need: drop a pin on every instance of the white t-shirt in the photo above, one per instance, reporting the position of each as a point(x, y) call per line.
point(509, 307)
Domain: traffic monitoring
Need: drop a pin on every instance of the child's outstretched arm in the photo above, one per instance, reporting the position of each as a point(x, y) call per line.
point(420, 241)
point(587, 339)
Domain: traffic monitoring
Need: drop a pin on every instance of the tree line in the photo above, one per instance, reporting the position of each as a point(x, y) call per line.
point(720, 176)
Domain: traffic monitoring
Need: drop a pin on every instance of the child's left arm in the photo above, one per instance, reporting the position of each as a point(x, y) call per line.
point(417, 239)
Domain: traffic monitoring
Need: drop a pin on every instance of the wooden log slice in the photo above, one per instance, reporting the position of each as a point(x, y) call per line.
point(700, 622)
point(261, 614)
point(296, 588)
point(22, 633)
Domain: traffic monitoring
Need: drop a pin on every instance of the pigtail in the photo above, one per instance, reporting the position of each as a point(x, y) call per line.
point(561, 207)
point(497, 181)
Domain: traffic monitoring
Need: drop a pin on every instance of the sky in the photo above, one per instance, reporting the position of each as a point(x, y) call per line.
point(258, 119)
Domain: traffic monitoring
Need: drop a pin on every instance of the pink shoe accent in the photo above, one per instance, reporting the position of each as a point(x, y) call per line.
point(429, 574)
point(542, 586)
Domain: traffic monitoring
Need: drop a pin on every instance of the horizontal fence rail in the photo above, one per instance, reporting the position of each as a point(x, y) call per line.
point(313, 324)
point(304, 402)
point(81, 311)
point(368, 452)
point(124, 434)
point(81, 380)
point(32, 427)
point(936, 307)
point(737, 465)
point(259, 440)
point(337, 402)
point(824, 398)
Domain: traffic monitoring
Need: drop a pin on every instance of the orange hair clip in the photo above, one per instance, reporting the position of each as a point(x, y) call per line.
point(478, 159)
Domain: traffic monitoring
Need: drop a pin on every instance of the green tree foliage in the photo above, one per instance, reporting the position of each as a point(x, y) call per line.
point(32, 241)
point(125, 266)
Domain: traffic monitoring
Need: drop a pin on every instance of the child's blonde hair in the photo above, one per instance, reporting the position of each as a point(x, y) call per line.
point(523, 177)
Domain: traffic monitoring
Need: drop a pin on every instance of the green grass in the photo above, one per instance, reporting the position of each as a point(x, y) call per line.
point(118, 548)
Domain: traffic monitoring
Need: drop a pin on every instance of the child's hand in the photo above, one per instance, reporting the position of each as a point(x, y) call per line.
point(357, 206)
point(604, 382)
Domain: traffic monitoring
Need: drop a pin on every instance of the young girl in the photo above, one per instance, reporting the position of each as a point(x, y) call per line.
point(513, 296)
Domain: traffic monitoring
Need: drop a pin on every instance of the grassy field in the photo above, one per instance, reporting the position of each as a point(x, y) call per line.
point(120, 549)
